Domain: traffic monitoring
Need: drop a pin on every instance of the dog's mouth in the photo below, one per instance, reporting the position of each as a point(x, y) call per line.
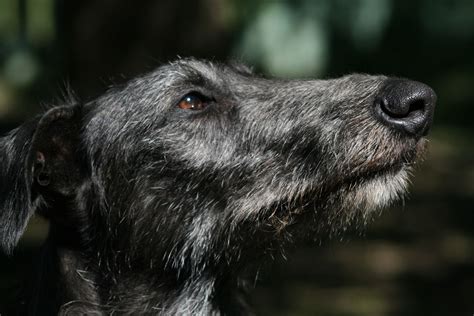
point(359, 191)
point(373, 186)
point(351, 202)
point(368, 188)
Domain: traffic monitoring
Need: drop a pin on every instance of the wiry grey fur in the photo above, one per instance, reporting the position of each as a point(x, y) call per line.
point(159, 210)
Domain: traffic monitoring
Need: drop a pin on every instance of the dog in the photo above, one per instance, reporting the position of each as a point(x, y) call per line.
point(164, 193)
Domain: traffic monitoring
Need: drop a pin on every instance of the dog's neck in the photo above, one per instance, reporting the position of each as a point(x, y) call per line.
point(61, 283)
point(70, 281)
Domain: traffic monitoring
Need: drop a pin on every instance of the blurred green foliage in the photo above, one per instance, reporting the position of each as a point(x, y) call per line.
point(416, 259)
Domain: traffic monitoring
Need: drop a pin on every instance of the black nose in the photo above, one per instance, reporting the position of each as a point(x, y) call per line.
point(407, 106)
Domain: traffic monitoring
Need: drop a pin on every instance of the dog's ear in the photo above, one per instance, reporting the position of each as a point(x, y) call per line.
point(39, 156)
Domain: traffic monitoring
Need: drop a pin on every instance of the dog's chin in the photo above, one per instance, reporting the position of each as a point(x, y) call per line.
point(356, 203)
point(377, 191)
point(379, 188)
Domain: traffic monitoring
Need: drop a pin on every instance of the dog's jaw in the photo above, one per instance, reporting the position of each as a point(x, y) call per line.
point(378, 192)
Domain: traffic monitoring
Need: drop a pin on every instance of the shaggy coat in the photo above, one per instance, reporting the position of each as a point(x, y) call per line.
point(165, 193)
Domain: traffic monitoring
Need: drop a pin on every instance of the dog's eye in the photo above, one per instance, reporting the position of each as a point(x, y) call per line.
point(193, 101)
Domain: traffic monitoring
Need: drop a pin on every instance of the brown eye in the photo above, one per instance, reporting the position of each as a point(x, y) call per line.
point(192, 101)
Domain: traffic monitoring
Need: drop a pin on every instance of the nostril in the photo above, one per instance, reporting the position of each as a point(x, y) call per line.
point(417, 106)
point(402, 109)
point(388, 109)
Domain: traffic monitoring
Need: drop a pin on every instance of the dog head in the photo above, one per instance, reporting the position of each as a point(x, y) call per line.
point(198, 162)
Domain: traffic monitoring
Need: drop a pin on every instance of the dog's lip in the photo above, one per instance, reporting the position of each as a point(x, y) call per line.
point(390, 166)
point(312, 196)
point(378, 171)
point(404, 158)
point(386, 169)
point(368, 175)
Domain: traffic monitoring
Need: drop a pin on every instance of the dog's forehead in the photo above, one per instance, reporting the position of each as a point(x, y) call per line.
point(194, 67)
point(216, 72)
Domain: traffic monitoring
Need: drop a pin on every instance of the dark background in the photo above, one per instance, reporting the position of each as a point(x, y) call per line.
point(417, 258)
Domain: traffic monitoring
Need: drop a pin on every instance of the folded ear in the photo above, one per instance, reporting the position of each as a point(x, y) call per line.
point(15, 183)
point(39, 155)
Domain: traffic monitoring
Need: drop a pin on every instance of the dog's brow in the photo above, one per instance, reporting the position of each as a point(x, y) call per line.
point(196, 78)
point(202, 78)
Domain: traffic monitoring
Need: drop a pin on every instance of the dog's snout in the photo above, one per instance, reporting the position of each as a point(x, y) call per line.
point(407, 106)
